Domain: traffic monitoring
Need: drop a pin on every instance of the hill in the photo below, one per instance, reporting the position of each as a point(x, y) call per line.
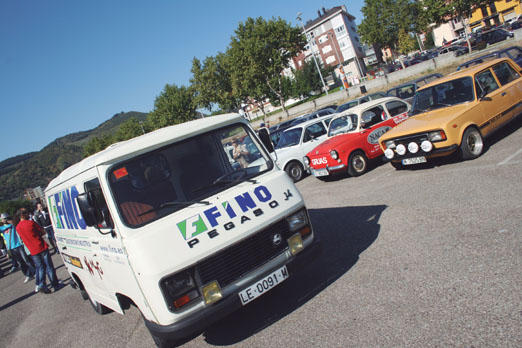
point(39, 168)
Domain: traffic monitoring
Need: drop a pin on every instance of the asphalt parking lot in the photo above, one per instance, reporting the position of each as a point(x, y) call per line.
point(425, 257)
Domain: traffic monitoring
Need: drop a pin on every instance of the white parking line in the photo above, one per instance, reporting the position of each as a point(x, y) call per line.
point(510, 157)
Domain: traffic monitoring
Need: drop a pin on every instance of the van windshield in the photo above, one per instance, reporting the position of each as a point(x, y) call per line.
point(163, 181)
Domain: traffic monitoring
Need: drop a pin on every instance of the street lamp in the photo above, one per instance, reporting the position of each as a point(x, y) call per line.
point(311, 49)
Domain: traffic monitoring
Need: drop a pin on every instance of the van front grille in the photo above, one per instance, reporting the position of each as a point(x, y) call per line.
point(245, 256)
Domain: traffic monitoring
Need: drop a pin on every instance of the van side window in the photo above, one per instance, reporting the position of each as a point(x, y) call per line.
point(94, 186)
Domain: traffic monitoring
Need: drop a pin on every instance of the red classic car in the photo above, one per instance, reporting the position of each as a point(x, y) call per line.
point(353, 137)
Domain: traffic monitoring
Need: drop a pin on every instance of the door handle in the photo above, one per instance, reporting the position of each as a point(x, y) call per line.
point(64, 248)
point(503, 93)
point(95, 242)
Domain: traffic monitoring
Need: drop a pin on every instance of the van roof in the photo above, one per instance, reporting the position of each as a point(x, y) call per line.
point(145, 143)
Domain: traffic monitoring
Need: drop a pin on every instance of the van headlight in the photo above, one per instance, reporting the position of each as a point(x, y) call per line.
point(306, 160)
point(334, 154)
point(298, 223)
point(179, 290)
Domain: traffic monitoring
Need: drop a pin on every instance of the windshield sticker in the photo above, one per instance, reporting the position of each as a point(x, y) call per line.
point(120, 173)
point(227, 215)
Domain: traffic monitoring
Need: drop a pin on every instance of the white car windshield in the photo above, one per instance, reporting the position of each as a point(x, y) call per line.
point(290, 137)
point(343, 124)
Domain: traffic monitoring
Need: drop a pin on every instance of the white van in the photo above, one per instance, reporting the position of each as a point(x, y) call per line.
point(169, 223)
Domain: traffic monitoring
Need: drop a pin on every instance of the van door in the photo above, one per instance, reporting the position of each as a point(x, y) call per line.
point(106, 263)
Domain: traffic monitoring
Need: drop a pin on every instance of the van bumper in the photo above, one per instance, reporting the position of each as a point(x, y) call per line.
point(199, 321)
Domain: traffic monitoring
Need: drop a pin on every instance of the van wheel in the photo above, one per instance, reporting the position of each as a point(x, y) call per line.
point(294, 171)
point(357, 163)
point(472, 144)
point(98, 307)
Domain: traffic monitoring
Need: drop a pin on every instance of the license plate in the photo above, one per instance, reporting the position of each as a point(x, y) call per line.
point(263, 285)
point(414, 160)
point(320, 172)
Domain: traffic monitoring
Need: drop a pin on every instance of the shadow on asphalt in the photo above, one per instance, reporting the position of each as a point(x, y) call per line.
point(344, 233)
point(17, 300)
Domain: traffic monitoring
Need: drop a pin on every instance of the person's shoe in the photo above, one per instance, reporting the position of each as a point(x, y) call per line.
point(58, 286)
point(44, 290)
point(28, 278)
point(12, 270)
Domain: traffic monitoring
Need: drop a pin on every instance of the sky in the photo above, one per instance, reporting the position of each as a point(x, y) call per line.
point(67, 66)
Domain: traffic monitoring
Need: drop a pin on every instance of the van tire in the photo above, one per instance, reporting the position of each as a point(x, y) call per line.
point(84, 294)
point(98, 307)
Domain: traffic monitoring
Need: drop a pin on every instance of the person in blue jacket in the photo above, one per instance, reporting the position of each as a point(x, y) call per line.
point(15, 246)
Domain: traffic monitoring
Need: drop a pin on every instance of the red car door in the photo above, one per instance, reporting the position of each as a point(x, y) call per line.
point(381, 119)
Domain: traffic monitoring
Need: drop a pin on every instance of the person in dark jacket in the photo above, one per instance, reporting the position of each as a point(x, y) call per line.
point(41, 217)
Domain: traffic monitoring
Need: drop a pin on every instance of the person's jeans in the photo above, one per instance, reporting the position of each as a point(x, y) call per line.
point(44, 264)
point(50, 236)
point(19, 255)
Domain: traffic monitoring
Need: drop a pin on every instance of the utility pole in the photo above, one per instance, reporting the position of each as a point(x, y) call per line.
point(311, 49)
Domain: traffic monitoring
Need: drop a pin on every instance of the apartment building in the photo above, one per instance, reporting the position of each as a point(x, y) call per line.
point(333, 39)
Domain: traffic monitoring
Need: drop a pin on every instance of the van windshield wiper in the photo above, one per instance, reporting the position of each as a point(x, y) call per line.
point(224, 180)
point(168, 204)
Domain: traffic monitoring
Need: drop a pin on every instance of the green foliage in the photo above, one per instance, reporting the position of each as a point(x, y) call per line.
point(307, 80)
point(258, 53)
point(212, 84)
point(174, 105)
point(10, 207)
point(406, 42)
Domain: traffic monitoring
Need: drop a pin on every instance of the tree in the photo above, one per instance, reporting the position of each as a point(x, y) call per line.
point(436, 11)
point(174, 105)
point(212, 84)
point(307, 80)
point(384, 20)
point(406, 42)
point(258, 53)
point(128, 130)
point(97, 144)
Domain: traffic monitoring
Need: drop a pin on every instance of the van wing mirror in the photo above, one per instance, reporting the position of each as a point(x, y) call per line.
point(87, 204)
point(264, 135)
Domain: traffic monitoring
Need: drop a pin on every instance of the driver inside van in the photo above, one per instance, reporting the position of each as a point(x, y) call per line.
point(240, 153)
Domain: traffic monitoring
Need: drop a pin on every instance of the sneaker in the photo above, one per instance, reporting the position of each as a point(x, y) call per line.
point(58, 286)
point(12, 270)
point(44, 290)
point(28, 278)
